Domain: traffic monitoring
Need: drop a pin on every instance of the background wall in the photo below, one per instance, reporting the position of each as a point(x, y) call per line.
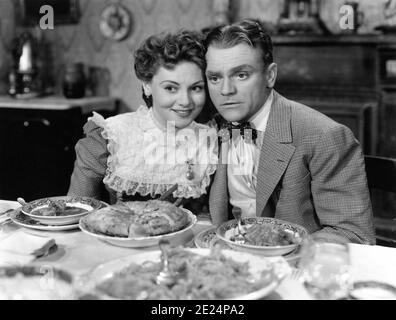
point(113, 61)
point(270, 10)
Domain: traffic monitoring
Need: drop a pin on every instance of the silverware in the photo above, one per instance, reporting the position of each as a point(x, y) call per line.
point(7, 216)
point(240, 236)
point(297, 274)
point(165, 276)
point(3, 213)
point(178, 202)
point(169, 192)
point(21, 201)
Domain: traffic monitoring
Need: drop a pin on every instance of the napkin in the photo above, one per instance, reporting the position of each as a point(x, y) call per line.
point(5, 206)
point(20, 247)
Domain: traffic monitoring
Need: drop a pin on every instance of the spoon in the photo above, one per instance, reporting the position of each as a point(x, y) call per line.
point(165, 276)
point(240, 237)
point(21, 201)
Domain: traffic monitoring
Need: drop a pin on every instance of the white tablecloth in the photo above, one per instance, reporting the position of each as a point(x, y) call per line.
point(78, 252)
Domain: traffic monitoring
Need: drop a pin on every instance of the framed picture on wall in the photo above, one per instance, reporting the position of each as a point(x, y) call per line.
point(65, 11)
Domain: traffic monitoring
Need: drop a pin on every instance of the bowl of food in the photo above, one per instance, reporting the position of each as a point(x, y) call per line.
point(140, 223)
point(35, 283)
point(59, 211)
point(207, 274)
point(263, 236)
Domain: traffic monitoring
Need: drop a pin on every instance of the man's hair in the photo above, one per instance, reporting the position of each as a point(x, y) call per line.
point(249, 31)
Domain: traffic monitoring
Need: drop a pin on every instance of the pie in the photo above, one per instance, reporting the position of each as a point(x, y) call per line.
point(137, 218)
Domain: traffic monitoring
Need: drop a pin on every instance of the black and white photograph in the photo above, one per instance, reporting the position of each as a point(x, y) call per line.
point(209, 153)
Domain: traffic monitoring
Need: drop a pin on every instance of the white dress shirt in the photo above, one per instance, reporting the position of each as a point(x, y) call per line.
point(243, 160)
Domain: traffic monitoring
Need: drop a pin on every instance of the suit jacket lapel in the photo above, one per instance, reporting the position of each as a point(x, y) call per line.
point(218, 200)
point(276, 151)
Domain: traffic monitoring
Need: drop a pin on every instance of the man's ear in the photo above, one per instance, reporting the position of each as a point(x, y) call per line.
point(147, 89)
point(272, 72)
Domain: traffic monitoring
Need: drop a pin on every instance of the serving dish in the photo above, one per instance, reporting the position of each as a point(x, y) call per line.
point(267, 271)
point(35, 283)
point(228, 230)
point(64, 210)
point(142, 241)
point(21, 219)
point(207, 238)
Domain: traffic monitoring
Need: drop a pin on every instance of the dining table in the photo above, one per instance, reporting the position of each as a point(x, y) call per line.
point(78, 253)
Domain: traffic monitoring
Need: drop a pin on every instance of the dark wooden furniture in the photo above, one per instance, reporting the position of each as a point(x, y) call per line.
point(37, 139)
point(381, 175)
point(347, 77)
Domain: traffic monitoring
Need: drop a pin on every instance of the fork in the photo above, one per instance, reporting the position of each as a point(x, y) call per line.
point(297, 274)
point(240, 236)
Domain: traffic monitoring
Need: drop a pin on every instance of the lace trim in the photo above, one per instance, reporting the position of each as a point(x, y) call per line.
point(183, 191)
point(120, 184)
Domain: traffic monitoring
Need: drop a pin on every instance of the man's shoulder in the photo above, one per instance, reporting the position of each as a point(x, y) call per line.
point(306, 119)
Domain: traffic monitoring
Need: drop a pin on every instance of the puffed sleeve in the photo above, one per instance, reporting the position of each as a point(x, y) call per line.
point(90, 165)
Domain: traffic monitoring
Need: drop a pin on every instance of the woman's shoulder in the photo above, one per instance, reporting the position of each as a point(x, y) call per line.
point(140, 113)
point(117, 122)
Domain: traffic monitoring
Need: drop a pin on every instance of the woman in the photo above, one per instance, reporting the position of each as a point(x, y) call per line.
point(140, 155)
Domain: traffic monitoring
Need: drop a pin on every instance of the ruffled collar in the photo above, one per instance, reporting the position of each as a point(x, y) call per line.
point(136, 161)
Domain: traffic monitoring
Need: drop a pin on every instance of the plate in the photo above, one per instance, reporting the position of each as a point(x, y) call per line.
point(207, 238)
point(89, 204)
point(35, 283)
point(229, 229)
point(21, 219)
point(372, 290)
point(138, 242)
point(257, 264)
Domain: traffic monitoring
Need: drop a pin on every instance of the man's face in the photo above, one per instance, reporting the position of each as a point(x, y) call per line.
point(237, 81)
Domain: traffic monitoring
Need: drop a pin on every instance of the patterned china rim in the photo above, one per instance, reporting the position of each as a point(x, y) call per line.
point(202, 244)
point(85, 228)
point(23, 220)
point(232, 224)
point(29, 207)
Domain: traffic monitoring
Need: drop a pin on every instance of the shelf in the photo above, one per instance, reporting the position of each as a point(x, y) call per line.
point(344, 39)
point(87, 105)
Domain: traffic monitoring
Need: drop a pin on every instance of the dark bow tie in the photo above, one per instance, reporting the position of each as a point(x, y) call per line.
point(244, 129)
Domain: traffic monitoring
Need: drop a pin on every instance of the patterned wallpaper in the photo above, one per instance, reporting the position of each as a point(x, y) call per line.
point(112, 61)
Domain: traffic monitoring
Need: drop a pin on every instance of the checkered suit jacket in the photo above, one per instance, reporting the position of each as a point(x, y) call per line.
point(311, 172)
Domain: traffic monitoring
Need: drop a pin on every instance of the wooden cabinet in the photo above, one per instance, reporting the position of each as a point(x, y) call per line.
point(37, 139)
point(348, 78)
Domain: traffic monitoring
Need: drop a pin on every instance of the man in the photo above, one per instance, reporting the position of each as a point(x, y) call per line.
point(303, 167)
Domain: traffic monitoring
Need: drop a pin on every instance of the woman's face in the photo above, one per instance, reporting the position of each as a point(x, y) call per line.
point(178, 94)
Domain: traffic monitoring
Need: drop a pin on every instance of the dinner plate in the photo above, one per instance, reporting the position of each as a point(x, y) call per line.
point(134, 242)
point(278, 267)
point(21, 219)
point(207, 238)
point(31, 282)
point(32, 209)
point(229, 229)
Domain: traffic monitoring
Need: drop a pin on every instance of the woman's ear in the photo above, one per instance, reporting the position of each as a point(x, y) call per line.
point(147, 89)
point(272, 72)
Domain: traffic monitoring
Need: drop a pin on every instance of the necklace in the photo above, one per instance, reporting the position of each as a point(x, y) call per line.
point(190, 172)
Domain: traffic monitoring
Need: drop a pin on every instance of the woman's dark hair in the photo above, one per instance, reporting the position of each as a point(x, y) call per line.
point(249, 31)
point(167, 50)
